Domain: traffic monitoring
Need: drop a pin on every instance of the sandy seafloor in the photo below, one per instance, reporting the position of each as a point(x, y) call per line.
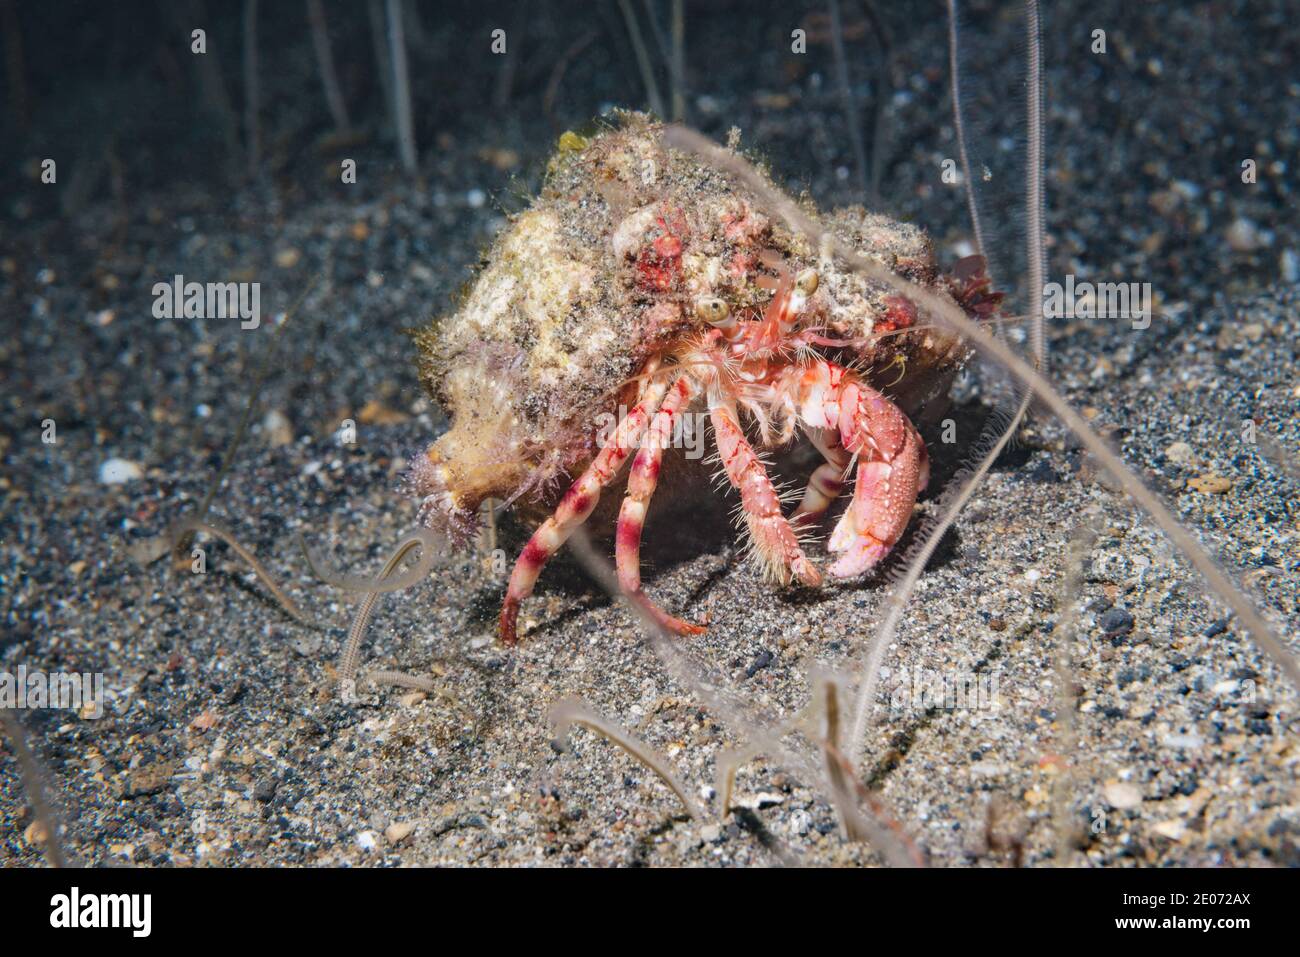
point(225, 742)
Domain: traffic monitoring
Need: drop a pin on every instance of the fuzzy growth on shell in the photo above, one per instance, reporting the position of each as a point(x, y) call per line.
point(603, 272)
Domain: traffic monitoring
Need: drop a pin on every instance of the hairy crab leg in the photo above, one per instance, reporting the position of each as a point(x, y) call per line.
point(574, 508)
point(641, 484)
point(774, 539)
point(893, 466)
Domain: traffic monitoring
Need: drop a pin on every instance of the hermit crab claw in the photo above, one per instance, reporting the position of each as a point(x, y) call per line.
point(850, 420)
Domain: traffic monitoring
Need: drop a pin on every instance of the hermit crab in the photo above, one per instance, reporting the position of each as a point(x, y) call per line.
point(642, 283)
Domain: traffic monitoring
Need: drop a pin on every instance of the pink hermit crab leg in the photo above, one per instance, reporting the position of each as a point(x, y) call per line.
point(574, 508)
point(773, 538)
point(827, 480)
point(892, 462)
point(641, 484)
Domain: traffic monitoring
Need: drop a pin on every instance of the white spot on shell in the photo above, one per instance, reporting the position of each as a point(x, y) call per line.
point(631, 231)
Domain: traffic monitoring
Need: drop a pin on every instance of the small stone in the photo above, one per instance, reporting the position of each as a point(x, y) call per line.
point(119, 472)
point(761, 661)
point(146, 551)
point(1210, 484)
point(1289, 265)
point(376, 413)
point(1173, 830)
point(307, 645)
point(1116, 621)
point(411, 699)
point(264, 790)
point(35, 834)
point(1180, 453)
point(1216, 627)
point(287, 258)
point(710, 833)
point(1244, 236)
point(1121, 795)
point(1252, 331)
point(397, 832)
point(277, 429)
point(148, 780)
point(367, 840)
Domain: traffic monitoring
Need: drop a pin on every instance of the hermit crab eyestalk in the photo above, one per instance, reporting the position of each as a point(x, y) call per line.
point(714, 311)
point(806, 282)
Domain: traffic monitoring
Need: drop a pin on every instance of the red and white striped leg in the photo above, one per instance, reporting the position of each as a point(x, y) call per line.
point(774, 540)
point(574, 508)
point(641, 484)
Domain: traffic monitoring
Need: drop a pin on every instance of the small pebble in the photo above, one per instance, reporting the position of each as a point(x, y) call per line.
point(1210, 484)
point(1121, 795)
point(397, 832)
point(1180, 453)
point(1289, 265)
point(35, 834)
point(1173, 830)
point(1244, 236)
point(119, 472)
point(1116, 621)
point(264, 790)
point(276, 428)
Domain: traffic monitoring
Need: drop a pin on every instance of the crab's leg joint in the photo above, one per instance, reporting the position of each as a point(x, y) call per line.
point(641, 484)
point(574, 508)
